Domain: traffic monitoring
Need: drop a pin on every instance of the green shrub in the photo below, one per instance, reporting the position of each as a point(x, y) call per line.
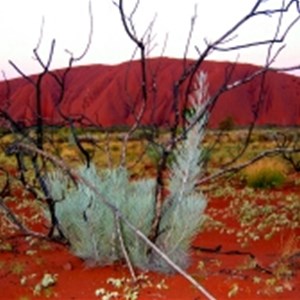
point(227, 124)
point(266, 178)
point(155, 152)
point(266, 173)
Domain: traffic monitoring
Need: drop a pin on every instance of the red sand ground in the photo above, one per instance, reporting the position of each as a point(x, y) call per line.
point(226, 274)
point(108, 95)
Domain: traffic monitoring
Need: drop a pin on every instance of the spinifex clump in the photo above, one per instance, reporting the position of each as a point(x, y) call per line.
point(90, 225)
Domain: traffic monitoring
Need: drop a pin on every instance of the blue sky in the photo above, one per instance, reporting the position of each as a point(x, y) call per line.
point(67, 21)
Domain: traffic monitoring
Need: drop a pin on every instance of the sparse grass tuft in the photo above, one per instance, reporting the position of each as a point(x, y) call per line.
point(266, 173)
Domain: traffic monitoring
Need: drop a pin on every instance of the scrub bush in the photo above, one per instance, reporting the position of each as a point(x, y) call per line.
point(267, 173)
point(90, 225)
point(90, 228)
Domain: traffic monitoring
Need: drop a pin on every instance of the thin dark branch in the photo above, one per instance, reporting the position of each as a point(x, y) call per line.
point(44, 66)
point(279, 40)
point(90, 36)
point(16, 222)
point(188, 42)
point(29, 79)
point(39, 42)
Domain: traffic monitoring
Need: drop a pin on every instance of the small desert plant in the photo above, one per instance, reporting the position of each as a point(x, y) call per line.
point(227, 124)
point(266, 173)
point(155, 152)
point(91, 226)
point(183, 208)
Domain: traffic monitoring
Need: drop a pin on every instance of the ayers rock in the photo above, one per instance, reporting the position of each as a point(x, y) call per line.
point(112, 95)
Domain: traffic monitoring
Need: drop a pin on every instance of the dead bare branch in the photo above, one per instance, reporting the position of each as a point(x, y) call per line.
point(123, 248)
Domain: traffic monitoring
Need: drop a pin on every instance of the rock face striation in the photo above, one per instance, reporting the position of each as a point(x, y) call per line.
point(112, 95)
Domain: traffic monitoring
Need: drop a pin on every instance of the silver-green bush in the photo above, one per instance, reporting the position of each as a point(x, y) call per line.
point(90, 225)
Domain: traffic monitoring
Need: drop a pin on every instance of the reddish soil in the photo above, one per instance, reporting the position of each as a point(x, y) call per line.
point(264, 269)
point(109, 95)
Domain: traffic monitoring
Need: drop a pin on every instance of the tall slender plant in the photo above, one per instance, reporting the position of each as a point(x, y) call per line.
point(184, 207)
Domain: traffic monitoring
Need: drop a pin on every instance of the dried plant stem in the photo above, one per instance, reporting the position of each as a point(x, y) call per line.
point(123, 248)
point(75, 175)
point(11, 216)
point(107, 150)
point(169, 261)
